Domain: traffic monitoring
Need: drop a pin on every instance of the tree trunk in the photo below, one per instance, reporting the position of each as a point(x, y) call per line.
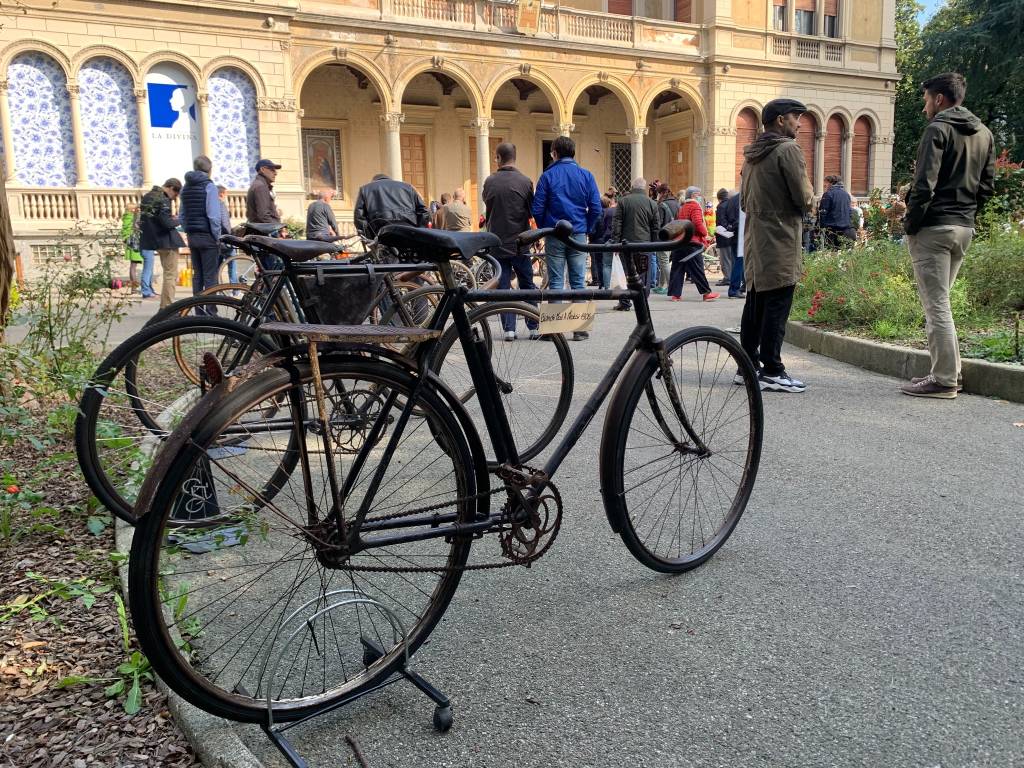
point(7, 255)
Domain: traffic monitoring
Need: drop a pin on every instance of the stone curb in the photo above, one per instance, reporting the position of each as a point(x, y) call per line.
point(980, 377)
point(214, 739)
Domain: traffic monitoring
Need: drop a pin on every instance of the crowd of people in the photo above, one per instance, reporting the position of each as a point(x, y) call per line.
point(760, 232)
point(152, 231)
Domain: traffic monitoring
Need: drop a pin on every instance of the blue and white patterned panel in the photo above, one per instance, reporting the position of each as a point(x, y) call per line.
point(110, 124)
point(44, 146)
point(234, 127)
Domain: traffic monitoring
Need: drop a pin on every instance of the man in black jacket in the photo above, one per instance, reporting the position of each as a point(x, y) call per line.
point(954, 177)
point(834, 215)
point(668, 206)
point(385, 201)
point(202, 221)
point(158, 235)
point(637, 220)
point(725, 238)
point(260, 202)
point(508, 195)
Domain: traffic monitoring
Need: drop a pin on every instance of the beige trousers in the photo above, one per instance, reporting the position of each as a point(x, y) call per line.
point(169, 265)
point(937, 253)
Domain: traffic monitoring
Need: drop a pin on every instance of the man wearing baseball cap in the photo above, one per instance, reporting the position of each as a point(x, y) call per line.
point(775, 194)
point(260, 207)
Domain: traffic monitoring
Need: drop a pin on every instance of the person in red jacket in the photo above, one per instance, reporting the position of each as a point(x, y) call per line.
point(689, 260)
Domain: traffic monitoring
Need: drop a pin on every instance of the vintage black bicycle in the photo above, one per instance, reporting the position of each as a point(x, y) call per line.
point(382, 486)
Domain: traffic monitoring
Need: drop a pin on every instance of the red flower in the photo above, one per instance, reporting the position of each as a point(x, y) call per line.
point(12, 489)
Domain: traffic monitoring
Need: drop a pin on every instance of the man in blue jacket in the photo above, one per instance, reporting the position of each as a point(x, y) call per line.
point(834, 215)
point(566, 191)
point(200, 213)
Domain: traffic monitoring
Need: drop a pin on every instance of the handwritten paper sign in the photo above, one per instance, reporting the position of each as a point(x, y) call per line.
point(565, 318)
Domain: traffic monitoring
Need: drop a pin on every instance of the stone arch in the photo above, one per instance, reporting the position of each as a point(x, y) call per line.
point(22, 46)
point(86, 55)
point(871, 117)
point(621, 91)
point(843, 114)
point(683, 89)
point(172, 57)
point(234, 127)
point(547, 86)
point(751, 104)
point(110, 122)
point(355, 60)
point(232, 62)
point(464, 79)
point(819, 115)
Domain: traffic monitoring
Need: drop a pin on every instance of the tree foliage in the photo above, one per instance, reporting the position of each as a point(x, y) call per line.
point(981, 39)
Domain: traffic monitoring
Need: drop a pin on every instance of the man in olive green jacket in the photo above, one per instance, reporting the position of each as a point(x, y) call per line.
point(775, 194)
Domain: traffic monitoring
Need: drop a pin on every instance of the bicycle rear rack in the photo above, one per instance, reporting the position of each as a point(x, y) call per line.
point(442, 718)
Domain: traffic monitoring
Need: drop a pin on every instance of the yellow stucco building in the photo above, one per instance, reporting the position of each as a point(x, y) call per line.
point(100, 100)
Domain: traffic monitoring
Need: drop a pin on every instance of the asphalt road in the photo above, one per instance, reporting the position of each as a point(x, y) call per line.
point(868, 610)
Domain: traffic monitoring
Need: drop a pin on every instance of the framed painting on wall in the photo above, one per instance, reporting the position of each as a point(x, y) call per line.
point(321, 156)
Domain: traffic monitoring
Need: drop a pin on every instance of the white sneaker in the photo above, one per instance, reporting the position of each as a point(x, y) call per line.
point(738, 379)
point(510, 335)
point(781, 382)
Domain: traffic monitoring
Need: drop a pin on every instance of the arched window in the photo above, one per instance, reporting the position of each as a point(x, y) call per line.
point(110, 124)
point(834, 130)
point(859, 174)
point(808, 141)
point(44, 145)
point(234, 127)
point(746, 132)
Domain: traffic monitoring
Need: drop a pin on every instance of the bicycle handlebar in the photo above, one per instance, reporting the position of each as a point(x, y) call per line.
point(672, 233)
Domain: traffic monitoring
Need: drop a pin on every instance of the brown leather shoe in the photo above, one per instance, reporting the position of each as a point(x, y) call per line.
point(959, 381)
point(928, 387)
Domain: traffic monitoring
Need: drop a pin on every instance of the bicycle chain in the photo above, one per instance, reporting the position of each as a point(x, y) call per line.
point(524, 561)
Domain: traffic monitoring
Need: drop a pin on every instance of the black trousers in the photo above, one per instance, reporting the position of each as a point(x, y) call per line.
point(205, 262)
point(692, 267)
point(763, 326)
point(836, 237)
point(521, 267)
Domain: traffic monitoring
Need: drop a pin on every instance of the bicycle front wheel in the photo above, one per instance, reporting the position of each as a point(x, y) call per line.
point(673, 504)
point(214, 609)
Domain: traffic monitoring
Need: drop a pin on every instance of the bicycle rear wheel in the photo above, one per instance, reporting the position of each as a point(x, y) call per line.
point(139, 393)
point(208, 608)
point(673, 506)
point(535, 377)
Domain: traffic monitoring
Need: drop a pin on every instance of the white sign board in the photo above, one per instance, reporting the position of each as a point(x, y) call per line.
point(565, 318)
point(174, 139)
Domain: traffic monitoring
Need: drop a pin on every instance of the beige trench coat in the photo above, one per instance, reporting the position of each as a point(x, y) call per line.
point(774, 193)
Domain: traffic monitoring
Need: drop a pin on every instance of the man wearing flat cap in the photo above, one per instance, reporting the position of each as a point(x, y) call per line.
point(775, 194)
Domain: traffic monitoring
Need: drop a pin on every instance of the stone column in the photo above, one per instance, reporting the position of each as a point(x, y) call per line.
point(819, 161)
point(202, 98)
point(5, 126)
point(847, 164)
point(393, 143)
point(565, 129)
point(81, 167)
point(144, 129)
point(483, 127)
point(636, 150)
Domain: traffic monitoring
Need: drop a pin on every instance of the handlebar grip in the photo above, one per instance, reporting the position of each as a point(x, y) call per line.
point(677, 230)
point(531, 236)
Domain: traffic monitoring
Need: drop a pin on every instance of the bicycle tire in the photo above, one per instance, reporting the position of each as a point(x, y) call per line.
point(627, 449)
point(156, 576)
point(187, 308)
point(420, 303)
point(245, 266)
point(118, 418)
point(521, 367)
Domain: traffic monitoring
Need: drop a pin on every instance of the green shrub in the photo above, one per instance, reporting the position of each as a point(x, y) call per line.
point(872, 290)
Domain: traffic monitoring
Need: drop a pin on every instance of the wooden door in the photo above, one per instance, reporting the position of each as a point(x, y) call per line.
point(860, 172)
point(678, 164)
point(834, 146)
point(471, 185)
point(746, 132)
point(808, 142)
point(414, 162)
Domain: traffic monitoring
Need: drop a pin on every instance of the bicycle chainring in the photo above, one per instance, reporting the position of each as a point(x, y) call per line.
point(532, 525)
